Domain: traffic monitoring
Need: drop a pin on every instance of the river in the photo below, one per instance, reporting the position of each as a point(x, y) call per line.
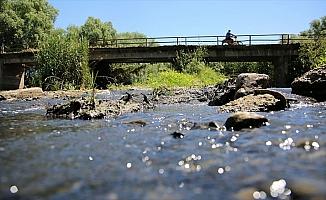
point(43, 158)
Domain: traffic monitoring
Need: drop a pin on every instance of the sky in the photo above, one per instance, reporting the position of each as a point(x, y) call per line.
point(156, 18)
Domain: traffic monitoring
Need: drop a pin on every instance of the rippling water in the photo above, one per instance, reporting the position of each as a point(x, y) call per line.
point(44, 158)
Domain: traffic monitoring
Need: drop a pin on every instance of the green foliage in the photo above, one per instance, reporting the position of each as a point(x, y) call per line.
point(97, 32)
point(130, 39)
point(171, 79)
point(313, 51)
point(317, 28)
point(235, 68)
point(63, 62)
point(23, 23)
point(190, 62)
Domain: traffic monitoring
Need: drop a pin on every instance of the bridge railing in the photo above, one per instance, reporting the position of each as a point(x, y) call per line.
point(247, 40)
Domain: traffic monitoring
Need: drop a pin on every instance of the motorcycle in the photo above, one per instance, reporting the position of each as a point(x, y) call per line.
point(231, 41)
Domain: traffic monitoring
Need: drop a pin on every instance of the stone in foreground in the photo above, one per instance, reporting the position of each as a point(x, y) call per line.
point(241, 120)
point(311, 84)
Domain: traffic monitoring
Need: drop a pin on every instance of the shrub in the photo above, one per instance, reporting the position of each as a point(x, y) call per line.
point(62, 63)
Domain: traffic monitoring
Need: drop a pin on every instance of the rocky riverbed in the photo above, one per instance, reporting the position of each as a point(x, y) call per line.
point(162, 144)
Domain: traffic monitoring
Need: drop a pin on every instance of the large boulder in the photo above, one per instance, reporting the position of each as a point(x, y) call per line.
point(243, 85)
point(311, 84)
point(241, 120)
point(223, 98)
point(247, 82)
point(252, 80)
point(261, 100)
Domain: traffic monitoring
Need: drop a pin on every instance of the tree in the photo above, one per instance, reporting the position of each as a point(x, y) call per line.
point(24, 22)
point(317, 27)
point(313, 52)
point(127, 39)
point(97, 32)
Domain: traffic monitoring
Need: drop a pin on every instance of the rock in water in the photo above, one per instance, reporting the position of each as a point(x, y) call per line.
point(252, 80)
point(245, 84)
point(311, 84)
point(242, 120)
point(177, 135)
point(2, 98)
point(252, 103)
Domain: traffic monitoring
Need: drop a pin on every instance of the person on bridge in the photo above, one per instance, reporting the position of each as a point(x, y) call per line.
point(228, 37)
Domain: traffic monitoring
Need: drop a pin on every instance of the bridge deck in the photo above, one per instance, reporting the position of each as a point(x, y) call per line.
point(168, 53)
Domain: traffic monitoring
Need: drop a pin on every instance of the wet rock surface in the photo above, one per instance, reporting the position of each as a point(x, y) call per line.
point(250, 89)
point(253, 103)
point(252, 80)
point(27, 93)
point(311, 84)
point(98, 109)
point(2, 98)
point(241, 120)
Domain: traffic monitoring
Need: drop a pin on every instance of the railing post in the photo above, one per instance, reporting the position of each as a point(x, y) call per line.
point(116, 42)
point(177, 41)
point(288, 38)
point(185, 41)
point(282, 39)
point(146, 42)
point(217, 40)
point(249, 40)
point(2, 50)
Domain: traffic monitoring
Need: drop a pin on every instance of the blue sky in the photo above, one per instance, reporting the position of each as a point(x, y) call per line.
point(157, 18)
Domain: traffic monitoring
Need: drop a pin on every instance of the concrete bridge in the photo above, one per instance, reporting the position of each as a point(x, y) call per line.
point(13, 65)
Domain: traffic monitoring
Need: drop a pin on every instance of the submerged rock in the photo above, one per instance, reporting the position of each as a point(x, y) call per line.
point(311, 84)
point(177, 135)
point(136, 122)
point(242, 120)
point(209, 125)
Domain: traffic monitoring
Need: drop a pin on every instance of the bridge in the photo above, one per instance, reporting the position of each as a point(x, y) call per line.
point(279, 49)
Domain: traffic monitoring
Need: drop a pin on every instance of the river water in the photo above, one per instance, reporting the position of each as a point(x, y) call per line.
point(44, 158)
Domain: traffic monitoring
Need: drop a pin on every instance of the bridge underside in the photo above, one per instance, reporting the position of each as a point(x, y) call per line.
point(279, 55)
point(11, 70)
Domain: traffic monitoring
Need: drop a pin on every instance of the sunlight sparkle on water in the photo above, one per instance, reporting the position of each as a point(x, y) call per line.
point(14, 189)
point(259, 195)
point(287, 126)
point(161, 171)
point(220, 170)
point(286, 145)
point(278, 189)
point(129, 165)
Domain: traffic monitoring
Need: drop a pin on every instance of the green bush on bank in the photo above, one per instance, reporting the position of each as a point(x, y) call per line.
point(172, 78)
point(62, 63)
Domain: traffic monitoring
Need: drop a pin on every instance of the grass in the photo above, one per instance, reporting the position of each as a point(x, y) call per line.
point(172, 79)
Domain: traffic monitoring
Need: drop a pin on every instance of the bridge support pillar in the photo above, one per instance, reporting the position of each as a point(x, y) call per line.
point(281, 67)
point(11, 76)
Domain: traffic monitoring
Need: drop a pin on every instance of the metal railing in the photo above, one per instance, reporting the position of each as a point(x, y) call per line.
point(247, 40)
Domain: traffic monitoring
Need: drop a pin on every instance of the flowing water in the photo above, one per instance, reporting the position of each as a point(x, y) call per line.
point(44, 158)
